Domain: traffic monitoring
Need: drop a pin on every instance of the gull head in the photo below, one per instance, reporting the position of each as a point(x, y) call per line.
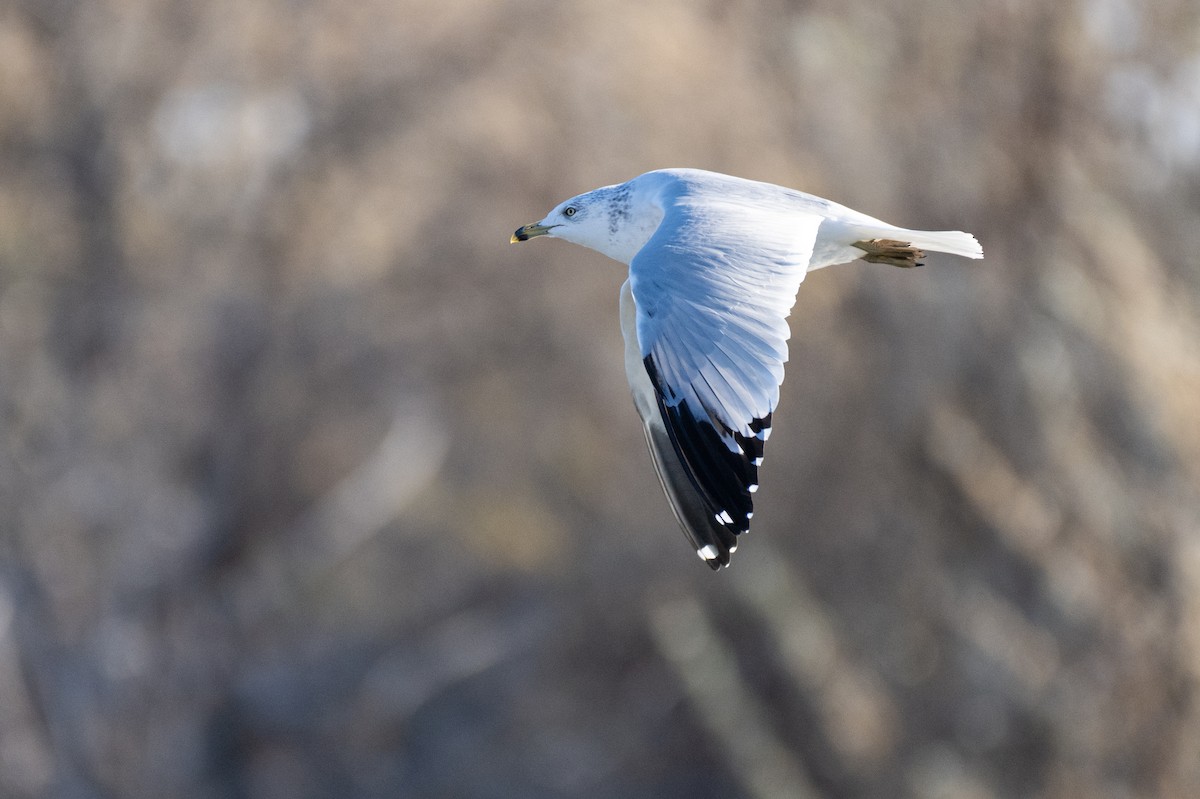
point(614, 220)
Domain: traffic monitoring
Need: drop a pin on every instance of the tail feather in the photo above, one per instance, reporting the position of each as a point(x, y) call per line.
point(953, 242)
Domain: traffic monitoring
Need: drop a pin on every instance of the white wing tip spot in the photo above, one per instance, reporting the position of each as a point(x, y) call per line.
point(752, 487)
point(757, 461)
point(707, 552)
point(724, 518)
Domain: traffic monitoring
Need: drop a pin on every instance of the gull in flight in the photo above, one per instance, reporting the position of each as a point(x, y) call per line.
point(714, 266)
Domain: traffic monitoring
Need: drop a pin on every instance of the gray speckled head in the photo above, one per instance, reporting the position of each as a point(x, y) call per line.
point(615, 220)
point(618, 207)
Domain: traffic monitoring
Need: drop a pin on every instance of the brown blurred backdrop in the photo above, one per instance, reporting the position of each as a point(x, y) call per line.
point(313, 486)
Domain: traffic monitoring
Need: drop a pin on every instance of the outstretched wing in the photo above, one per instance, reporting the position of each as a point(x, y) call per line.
point(713, 288)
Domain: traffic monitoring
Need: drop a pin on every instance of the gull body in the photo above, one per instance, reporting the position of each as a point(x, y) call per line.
point(715, 263)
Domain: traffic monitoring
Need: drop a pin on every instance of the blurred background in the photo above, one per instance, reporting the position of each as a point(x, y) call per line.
point(314, 486)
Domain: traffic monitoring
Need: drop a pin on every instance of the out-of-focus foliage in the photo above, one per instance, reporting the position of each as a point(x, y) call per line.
point(314, 486)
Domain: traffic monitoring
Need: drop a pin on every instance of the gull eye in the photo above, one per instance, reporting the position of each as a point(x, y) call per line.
point(569, 211)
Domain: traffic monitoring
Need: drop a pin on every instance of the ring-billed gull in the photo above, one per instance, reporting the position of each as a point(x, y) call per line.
point(714, 266)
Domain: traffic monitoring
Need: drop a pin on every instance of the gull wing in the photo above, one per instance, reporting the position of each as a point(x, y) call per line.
point(713, 287)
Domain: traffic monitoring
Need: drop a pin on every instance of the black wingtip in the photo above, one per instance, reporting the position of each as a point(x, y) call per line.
point(719, 468)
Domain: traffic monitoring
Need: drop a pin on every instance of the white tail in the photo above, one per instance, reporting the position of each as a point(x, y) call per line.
point(954, 242)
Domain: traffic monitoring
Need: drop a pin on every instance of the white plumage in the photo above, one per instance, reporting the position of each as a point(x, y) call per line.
point(714, 266)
